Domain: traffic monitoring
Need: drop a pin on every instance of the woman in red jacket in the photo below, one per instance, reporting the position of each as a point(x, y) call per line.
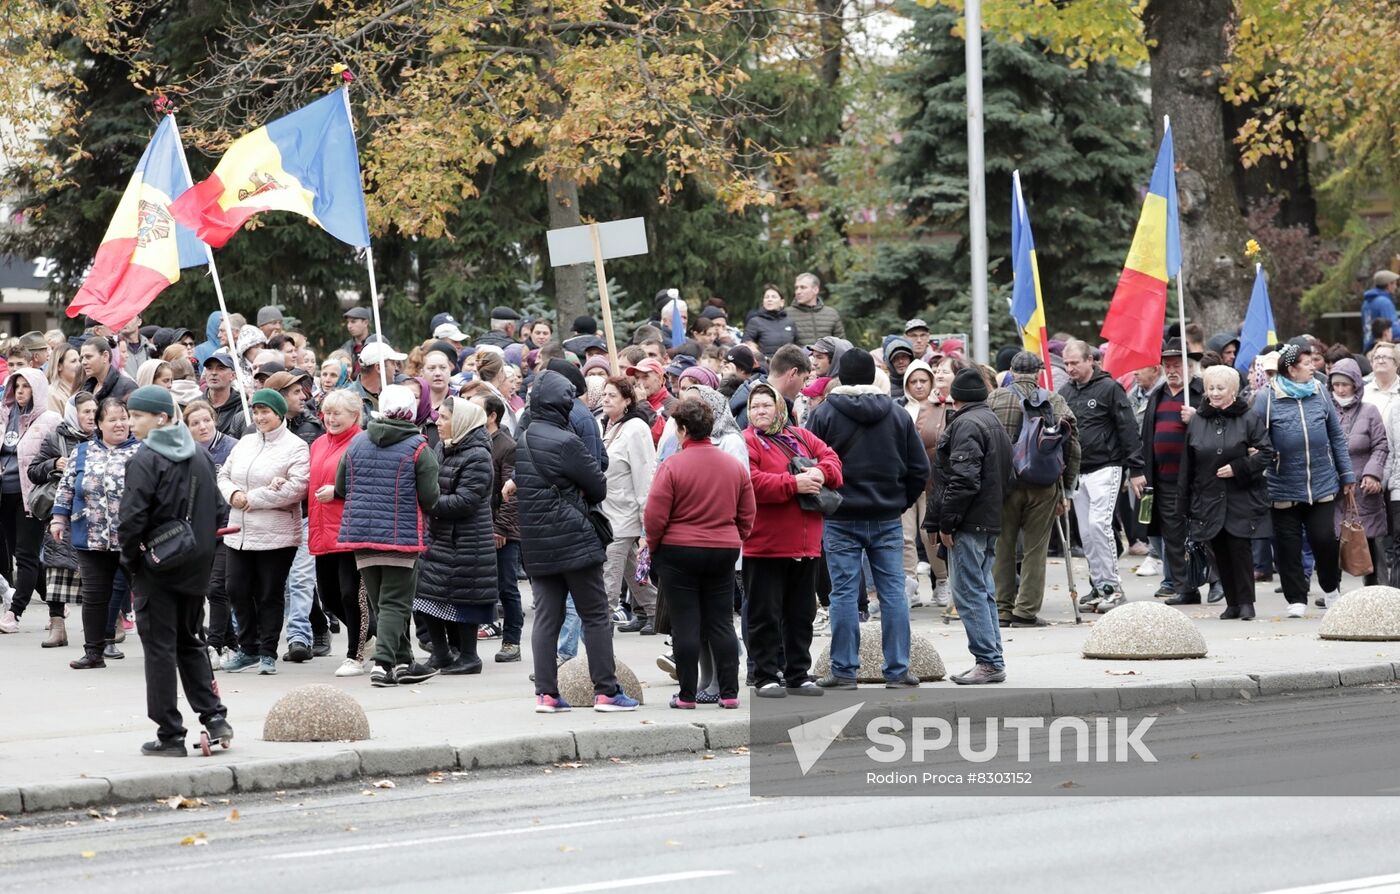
point(782, 555)
point(336, 576)
point(699, 512)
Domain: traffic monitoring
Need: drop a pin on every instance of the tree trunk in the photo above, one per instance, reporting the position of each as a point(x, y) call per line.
point(1187, 42)
point(570, 283)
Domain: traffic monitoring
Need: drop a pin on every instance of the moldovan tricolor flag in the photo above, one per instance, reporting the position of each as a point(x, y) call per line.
point(1027, 305)
point(305, 162)
point(144, 249)
point(1258, 330)
point(1133, 326)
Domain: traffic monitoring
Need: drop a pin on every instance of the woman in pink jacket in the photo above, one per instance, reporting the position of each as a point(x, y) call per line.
point(264, 481)
point(28, 421)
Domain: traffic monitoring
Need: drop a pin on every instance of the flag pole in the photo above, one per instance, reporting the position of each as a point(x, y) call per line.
point(369, 264)
point(218, 291)
point(1180, 295)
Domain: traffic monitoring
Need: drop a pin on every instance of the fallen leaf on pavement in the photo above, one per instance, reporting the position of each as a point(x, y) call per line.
point(234, 816)
point(180, 802)
point(671, 842)
point(88, 855)
point(617, 760)
point(707, 756)
point(368, 794)
point(385, 783)
point(567, 848)
point(197, 838)
point(742, 749)
point(1121, 673)
point(1070, 784)
point(1196, 756)
point(569, 765)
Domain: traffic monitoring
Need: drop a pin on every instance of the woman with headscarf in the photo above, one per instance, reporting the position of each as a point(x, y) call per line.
point(335, 374)
point(424, 415)
point(1312, 467)
point(631, 464)
point(1227, 501)
point(1369, 450)
point(782, 555)
point(28, 423)
point(929, 410)
point(155, 372)
point(250, 340)
point(457, 575)
point(61, 580)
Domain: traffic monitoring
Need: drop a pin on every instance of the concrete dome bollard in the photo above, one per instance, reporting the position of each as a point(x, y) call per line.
point(316, 713)
point(577, 687)
point(1144, 631)
point(924, 660)
point(1369, 613)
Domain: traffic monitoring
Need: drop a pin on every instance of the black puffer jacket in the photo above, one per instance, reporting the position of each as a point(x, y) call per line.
point(1240, 503)
point(770, 329)
point(460, 564)
point(556, 481)
point(62, 441)
point(972, 473)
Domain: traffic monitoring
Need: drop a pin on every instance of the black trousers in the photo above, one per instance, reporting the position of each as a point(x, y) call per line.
point(168, 620)
point(1234, 560)
point(699, 584)
point(98, 569)
point(782, 606)
point(29, 574)
point(338, 583)
point(1171, 525)
point(1318, 519)
point(257, 587)
point(221, 633)
point(591, 603)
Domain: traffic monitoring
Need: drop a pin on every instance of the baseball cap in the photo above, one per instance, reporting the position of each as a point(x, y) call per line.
point(375, 351)
point(449, 331)
point(742, 358)
point(220, 357)
point(950, 346)
point(357, 313)
point(913, 324)
point(270, 369)
point(1385, 277)
point(650, 364)
point(680, 364)
point(439, 319)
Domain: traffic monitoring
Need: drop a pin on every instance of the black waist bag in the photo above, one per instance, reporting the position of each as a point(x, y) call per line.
point(172, 543)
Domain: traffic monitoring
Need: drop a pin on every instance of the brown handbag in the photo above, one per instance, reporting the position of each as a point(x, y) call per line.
point(1356, 551)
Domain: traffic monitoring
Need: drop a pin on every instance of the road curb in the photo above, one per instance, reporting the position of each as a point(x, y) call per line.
point(378, 760)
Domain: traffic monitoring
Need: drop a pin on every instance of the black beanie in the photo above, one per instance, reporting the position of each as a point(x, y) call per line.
point(969, 387)
point(570, 372)
point(857, 367)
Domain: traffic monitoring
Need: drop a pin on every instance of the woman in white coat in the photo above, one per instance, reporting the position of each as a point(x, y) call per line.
point(631, 464)
point(264, 481)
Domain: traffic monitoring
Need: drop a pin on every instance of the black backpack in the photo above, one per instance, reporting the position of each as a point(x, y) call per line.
point(1038, 456)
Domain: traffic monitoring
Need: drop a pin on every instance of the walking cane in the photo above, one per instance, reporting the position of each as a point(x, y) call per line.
point(1062, 525)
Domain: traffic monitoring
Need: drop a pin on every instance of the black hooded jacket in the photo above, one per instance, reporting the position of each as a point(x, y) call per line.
point(973, 473)
point(158, 491)
point(770, 330)
point(460, 564)
point(1108, 427)
point(883, 461)
point(556, 482)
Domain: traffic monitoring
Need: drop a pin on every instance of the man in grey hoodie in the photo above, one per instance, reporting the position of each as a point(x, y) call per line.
point(169, 479)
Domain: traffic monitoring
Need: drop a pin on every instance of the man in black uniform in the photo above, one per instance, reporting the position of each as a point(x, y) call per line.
point(170, 479)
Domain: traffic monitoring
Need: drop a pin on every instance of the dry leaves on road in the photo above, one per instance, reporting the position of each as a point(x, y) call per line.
point(180, 802)
point(198, 839)
point(385, 783)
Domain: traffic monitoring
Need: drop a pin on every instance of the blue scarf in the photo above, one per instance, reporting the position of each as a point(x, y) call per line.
point(1299, 390)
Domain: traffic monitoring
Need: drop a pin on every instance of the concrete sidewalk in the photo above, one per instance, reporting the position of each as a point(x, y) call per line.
point(71, 738)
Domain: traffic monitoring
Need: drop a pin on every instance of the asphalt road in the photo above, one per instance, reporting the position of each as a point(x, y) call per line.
point(688, 825)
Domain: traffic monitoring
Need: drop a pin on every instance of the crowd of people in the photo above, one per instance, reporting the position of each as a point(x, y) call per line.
point(241, 504)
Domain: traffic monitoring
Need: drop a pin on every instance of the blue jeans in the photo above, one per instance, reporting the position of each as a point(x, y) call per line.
point(882, 542)
point(570, 630)
point(970, 570)
point(508, 591)
point(301, 593)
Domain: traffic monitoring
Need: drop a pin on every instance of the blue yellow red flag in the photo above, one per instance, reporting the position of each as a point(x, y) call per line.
point(1027, 303)
point(144, 249)
point(1137, 314)
point(305, 162)
point(1258, 330)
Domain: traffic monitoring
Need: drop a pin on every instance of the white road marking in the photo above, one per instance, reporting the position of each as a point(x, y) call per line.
point(630, 882)
point(497, 833)
point(1376, 884)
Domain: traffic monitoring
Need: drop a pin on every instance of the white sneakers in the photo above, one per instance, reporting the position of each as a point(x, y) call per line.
point(1297, 609)
point(941, 593)
point(1329, 599)
point(922, 568)
point(1148, 568)
point(911, 592)
point(350, 667)
point(821, 625)
point(9, 623)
